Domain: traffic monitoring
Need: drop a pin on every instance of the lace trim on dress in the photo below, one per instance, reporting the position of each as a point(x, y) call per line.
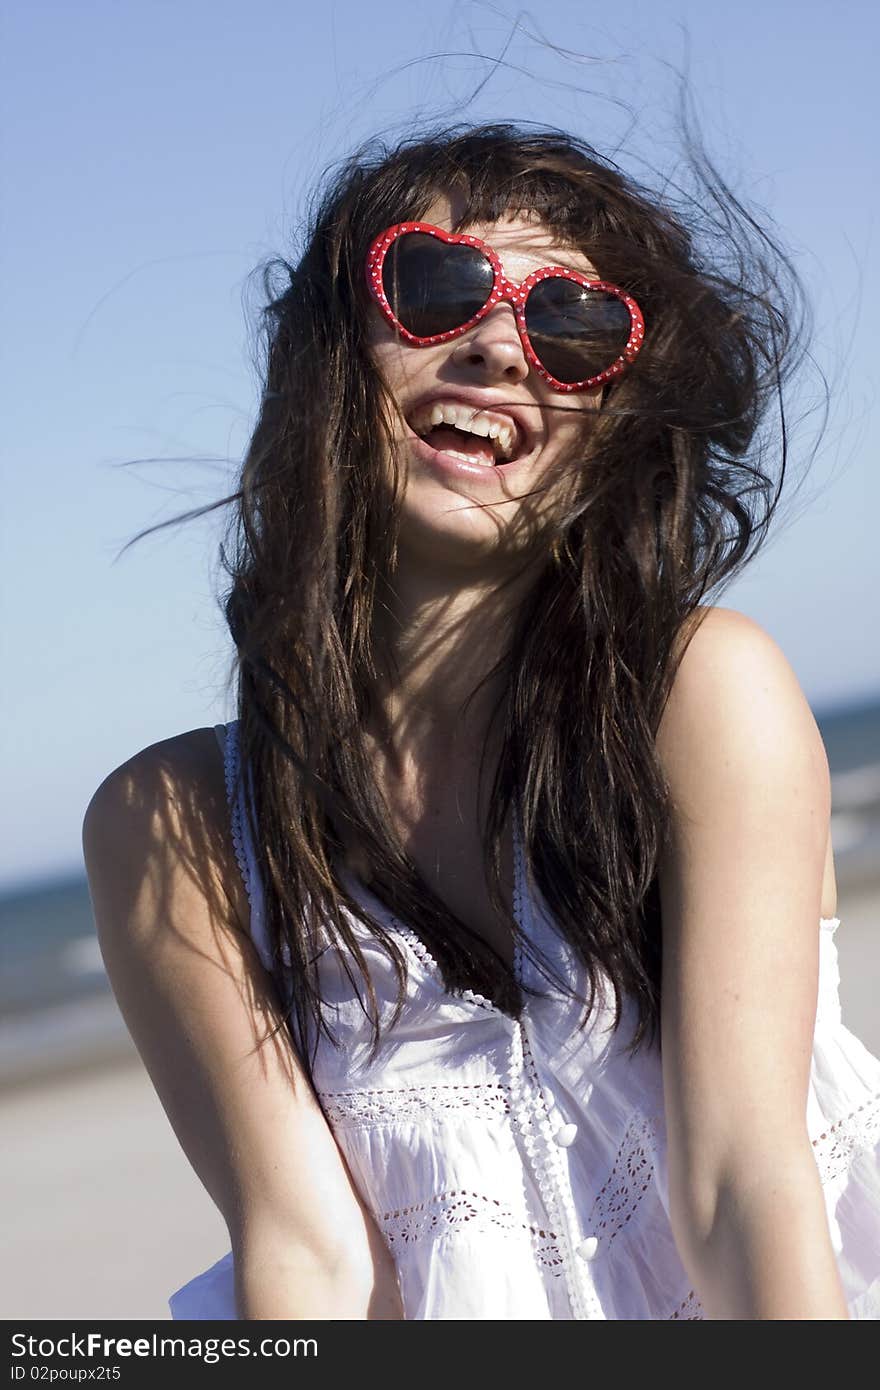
point(458, 1211)
point(230, 769)
point(424, 957)
point(241, 841)
point(836, 1147)
point(479, 1101)
point(531, 1119)
point(419, 950)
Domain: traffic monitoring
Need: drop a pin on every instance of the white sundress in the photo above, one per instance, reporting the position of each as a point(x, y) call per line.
point(517, 1169)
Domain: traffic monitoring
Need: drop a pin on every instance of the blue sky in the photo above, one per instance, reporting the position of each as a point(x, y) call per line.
point(155, 153)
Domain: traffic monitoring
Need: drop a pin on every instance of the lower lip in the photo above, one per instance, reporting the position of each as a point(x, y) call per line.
point(447, 466)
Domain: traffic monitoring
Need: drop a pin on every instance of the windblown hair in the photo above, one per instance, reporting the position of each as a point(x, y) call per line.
point(668, 498)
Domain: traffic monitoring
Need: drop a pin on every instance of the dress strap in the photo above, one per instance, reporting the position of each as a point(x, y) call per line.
point(241, 825)
point(541, 955)
point(521, 899)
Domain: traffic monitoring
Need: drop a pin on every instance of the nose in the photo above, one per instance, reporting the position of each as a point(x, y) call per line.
point(494, 346)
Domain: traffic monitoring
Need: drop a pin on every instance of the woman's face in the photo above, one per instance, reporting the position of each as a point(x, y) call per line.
point(484, 369)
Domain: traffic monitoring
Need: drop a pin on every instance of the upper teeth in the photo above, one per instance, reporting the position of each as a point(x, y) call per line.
point(465, 417)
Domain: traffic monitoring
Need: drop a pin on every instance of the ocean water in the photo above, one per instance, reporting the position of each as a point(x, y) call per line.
point(55, 999)
point(851, 735)
point(49, 952)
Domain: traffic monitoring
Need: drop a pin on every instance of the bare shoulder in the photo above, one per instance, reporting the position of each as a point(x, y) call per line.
point(715, 634)
point(168, 802)
point(735, 682)
point(189, 757)
point(740, 748)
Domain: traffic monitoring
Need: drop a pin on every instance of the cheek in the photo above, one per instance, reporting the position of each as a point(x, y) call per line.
point(402, 368)
point(390, 356)
point(572, 424)
point(390, 368)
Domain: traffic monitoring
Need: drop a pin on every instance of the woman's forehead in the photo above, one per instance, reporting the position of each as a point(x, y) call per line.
point(522, 242)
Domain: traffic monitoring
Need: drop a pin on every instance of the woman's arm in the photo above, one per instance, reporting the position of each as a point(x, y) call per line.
point(741, 891)
point(169, 906)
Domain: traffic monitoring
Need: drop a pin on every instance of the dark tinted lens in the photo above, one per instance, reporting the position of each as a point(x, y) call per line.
point(433, 286)
point(575, 332)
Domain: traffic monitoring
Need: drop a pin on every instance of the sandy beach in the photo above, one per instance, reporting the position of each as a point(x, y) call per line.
point(105, 1218)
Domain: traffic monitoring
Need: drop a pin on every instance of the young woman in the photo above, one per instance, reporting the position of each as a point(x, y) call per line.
point(484, 965)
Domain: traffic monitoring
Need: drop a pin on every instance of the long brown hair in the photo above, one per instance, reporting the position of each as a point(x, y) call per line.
point(671, 496)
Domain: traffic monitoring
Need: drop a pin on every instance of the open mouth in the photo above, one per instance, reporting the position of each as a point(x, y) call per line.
point(473, 436)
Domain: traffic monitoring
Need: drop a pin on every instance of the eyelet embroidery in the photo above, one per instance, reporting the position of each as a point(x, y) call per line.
point(631, 1175)
point(836, 1147)
point(365, 1109)
point(460, 1210)
point(690, 1309)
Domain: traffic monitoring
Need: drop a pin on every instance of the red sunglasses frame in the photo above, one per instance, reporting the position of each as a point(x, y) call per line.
point(503, 290)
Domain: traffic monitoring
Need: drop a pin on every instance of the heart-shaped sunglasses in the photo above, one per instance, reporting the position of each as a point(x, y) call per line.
point(432, 285)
